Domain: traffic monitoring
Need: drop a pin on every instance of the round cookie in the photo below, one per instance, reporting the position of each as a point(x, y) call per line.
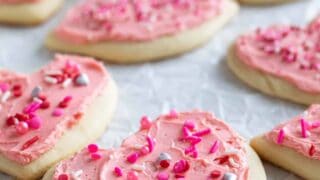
point(187, 145)
point(290, 149)
point(280, 61)
point(45, 118)
point(28, 13)
point(145, 39)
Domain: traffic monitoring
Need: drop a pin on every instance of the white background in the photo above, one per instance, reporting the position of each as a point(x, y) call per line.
point(197, 80)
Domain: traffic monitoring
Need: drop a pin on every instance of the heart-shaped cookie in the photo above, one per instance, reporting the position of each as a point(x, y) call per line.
point(52, 113)
point(27, 12)
point(188, 145)
point(282, 61)
point(128, 31)
point(294, 145)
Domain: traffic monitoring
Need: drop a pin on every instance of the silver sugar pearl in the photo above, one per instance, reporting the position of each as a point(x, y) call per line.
point(82, 80)
point(164, 156)
point(229, 176)
point(36, 91)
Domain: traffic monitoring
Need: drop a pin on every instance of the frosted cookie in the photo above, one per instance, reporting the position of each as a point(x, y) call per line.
point(52, 113)
point(294, 145)
point(129, 31)
point(282, 61)
point(27, 12)
point(188, 145)
point(264, 2)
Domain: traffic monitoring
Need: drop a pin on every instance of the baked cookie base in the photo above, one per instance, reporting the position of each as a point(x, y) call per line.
point(89, 128)
point(287, 158)
point(256, 171)
point(28, 13)
point(135, 52)
point(269, 84)
point(264, 2)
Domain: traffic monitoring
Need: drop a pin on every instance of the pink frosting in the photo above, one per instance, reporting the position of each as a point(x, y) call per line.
point(133, 20)
point(219, 151)
point(301, 134)
point(17, 1)
point(288, 52)
point(61, 89)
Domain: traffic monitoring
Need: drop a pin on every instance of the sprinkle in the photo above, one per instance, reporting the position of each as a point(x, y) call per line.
point(57, 112)
point(5, 96)
point(181, 166)
point(4, 87)
point(65, 102)
point(31, 108)
point(214, 147)
point(315, 124)
point(29, 143)
point(138, 167)
point(229, 176)
point(164, 156)
point(185, 132)
point(133, 158)
point(50, 80)
point(164, 163)
point(34, 123)
point(82, 80)
point(280, 136)
point(150, 143)
point(95, 156)
point(303, 128)
point(215, 174)
point(132, 175)
point(163, 176)
point(12, 121)
point(22, 127)
point(312, 150)
point(189, 149)
point(145, 123)
point(202, 132)
point(45, 105)
point(63, 177)
point(36, 91)
point(193, 139)
point(189, 124)
point(77, 174)
point(66, 83)
point(117, 171)
point(194, 154)
point(173, 114)
point(92, 148)
point(144, 150)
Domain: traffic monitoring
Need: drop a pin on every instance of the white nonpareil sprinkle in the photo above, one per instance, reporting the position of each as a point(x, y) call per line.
point(137, 146)
point(138, 167)
point(5, 96)
point(66, 83)
point(231, 151)
point(50, 80)
point(82, 80)
point(229, 176)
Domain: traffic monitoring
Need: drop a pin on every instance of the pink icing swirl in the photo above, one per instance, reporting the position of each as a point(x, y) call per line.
point(300, 133)
point(24, 144)
point(133, 20)
point(176, 159)
point(289, 52)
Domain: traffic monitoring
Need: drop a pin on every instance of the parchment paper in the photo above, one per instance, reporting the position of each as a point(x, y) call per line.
point(197, 80)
